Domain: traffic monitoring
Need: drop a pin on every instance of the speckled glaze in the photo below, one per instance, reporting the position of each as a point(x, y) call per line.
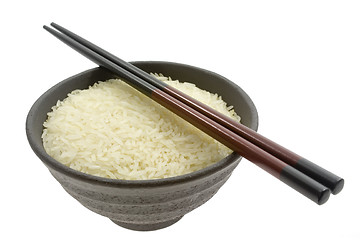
point(144, 204)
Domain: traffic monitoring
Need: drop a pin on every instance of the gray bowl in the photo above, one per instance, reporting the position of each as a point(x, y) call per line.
point(142, 204)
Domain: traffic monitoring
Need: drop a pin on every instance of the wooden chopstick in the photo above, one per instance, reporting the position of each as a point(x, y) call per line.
point(286, 173)
point(328, 179)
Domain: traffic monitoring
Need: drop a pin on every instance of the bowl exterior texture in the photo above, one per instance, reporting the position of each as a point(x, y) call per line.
point(142, 207)
point(147, 204)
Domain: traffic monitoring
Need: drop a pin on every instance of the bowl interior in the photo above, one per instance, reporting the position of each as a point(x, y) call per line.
point(204, 79)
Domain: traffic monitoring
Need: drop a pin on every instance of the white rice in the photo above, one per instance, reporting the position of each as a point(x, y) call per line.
point(112, 130)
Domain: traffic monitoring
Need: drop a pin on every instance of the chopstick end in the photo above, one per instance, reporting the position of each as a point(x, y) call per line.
point(339, 186)
point(324, 196)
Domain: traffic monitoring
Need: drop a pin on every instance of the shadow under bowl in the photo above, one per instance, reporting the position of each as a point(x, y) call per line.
point(142, 205)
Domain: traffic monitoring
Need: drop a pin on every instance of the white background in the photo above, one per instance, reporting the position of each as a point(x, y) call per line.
point(298, 61)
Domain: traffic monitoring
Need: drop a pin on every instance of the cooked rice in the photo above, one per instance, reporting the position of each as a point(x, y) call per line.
point(112, 130)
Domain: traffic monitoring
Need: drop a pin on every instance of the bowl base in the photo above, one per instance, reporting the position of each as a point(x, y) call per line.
point(146, 227)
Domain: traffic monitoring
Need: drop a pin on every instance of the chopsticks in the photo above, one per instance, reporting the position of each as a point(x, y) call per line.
point(297, 172)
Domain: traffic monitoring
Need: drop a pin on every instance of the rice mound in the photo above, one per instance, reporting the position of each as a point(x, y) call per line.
point(111, 130)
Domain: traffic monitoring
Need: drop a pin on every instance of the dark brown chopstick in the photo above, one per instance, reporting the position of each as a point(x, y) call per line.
point(294, 178)
point(328, 179)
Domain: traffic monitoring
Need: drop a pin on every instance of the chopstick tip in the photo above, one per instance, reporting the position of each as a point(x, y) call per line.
point(338, 187)
point(324, 196)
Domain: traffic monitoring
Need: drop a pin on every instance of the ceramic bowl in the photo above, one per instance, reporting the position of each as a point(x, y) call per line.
point(142, 204)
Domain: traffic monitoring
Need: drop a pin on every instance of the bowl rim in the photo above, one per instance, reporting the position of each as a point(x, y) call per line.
point(59, 167)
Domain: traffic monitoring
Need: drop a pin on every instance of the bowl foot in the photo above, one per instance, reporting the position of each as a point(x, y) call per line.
point(146, 227)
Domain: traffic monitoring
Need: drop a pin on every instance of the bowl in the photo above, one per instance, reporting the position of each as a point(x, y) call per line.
point(142, 205)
